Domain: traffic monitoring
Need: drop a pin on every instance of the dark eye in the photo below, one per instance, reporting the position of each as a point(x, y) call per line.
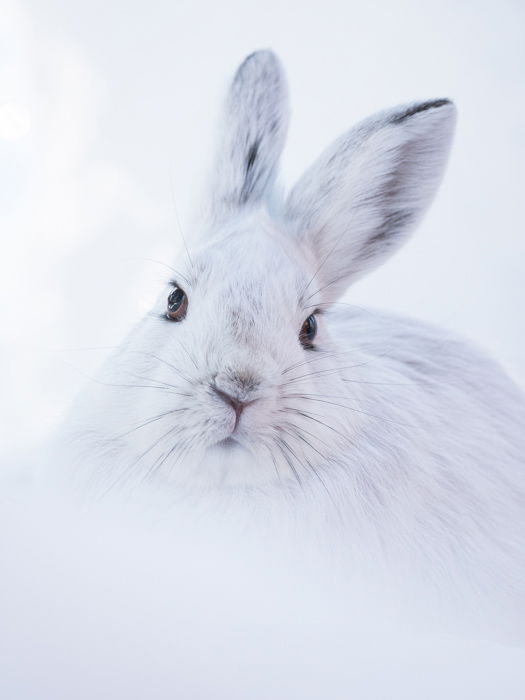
point(177, 305)
point(308, 331)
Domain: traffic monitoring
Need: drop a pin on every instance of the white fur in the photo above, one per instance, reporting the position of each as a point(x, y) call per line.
point(393, 441)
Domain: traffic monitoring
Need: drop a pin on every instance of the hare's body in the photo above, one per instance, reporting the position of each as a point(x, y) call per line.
point(443, 432)
point(249, 379)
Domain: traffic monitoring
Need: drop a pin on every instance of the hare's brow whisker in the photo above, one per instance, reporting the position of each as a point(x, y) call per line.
point(168, 267)
point(329, 284)
point(177, 219)
point(343, 276)
point(323, 263)
point(340, 303)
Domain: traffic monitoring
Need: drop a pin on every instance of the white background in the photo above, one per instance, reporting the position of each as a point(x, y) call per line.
point(109, 127)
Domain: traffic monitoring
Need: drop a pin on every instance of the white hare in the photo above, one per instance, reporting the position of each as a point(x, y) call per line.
point(250, 379)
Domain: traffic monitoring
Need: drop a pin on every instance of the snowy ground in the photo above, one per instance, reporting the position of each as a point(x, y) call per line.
point(111, 604)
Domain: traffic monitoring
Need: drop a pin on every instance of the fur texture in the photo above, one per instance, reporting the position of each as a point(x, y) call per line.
point(394, 439)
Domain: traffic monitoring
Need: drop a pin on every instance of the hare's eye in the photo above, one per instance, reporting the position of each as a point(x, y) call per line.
point(177, 305)
point(308, 332)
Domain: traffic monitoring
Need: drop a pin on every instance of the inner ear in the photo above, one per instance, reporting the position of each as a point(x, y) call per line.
point(249, 173)
point(252, 155)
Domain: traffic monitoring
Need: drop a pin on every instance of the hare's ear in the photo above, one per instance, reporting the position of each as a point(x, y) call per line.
point(357, 204)
point(253, 133)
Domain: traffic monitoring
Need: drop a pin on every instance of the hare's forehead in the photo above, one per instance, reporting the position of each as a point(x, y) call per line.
point(250, 266)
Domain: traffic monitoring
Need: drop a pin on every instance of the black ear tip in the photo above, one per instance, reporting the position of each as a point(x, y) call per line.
point(420, 107)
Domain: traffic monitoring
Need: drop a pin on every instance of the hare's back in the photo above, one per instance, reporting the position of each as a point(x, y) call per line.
point(446, 372)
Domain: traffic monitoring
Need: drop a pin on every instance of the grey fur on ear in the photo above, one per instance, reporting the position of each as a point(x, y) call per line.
point(359, 201)
point(253, 135)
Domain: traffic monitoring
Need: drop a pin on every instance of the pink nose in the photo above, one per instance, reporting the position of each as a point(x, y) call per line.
point(237, 405)
point(231, 401)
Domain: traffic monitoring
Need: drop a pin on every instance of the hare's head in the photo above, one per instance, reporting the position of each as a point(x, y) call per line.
point(239, 347)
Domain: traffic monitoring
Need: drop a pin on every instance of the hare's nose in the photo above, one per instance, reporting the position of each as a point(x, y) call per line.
point(237, 405)
point(230, 400)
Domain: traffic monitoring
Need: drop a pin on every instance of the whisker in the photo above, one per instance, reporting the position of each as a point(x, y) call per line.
point(323, 396)
point(162, 360)
point(94, 347)
point(342, 276)
point(323, 354)
point(281, 444)
point(334, 370)
point(323, 262)
point(152, 446)
point(162, 384)
point(340, 303)
point(298, 461)
point(311, 466)
point(274, 462)
point(188, 355)
point(327, 354)
point(350, 408)
point(126, 386)
point(156, 467)
point(149, 421)
point(303, 439)
point(177, 219)
point(178, 273)
point(362, 381)
point(316, 418)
